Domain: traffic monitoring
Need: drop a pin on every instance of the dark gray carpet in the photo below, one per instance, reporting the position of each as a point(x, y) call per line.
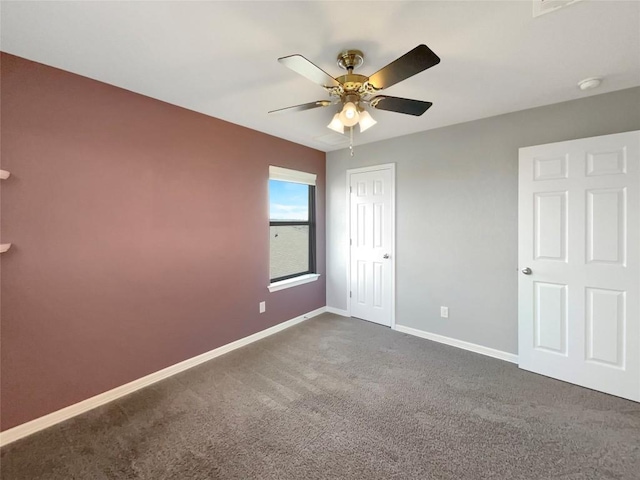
point(337, 398)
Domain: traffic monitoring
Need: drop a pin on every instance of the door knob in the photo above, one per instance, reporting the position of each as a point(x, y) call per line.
point(386, 255)
point(526, 271)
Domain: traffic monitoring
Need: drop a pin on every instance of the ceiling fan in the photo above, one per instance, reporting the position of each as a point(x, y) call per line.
point(353, 91)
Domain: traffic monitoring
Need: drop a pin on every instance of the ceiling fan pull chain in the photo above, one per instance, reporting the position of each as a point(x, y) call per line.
point(351, 141)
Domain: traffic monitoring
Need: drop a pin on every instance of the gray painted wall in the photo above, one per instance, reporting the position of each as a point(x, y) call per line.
point(457, 213)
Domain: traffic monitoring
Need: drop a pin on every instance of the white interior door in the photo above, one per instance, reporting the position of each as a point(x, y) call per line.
point(371, 193)
point(579, 216)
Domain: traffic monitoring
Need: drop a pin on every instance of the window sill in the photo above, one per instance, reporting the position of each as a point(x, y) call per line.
point(293, 282)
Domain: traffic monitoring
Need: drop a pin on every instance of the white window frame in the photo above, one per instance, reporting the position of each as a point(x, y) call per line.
point(305, 178)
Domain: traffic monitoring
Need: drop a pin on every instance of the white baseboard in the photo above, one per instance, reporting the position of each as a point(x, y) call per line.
point(472, 347)
point(66, 413)
point(337, 311)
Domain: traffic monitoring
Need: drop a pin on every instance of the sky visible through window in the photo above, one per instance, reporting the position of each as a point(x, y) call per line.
point(288, 201)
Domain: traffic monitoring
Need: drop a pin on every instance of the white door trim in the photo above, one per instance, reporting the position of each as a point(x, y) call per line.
point(392, 168)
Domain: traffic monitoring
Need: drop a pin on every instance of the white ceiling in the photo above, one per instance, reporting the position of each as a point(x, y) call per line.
point(219, 58)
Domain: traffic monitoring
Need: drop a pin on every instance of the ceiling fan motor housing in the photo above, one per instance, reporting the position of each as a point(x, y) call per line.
point(352, 82)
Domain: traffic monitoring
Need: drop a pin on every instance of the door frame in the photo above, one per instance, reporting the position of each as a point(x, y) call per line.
point(392, 168)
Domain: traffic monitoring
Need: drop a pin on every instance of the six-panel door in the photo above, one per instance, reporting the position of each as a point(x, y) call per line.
point(579, 215)
point(371, 245)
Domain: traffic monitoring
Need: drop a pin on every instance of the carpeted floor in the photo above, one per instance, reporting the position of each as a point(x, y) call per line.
point(338, 398)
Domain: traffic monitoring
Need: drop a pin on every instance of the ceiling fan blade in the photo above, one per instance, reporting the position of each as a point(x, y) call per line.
point(400, 105)
point(415, 61)
point(304, 106)
point(304, 67)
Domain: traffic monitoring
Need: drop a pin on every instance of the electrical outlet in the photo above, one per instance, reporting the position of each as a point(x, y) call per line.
point(444, 312)
point(263, 307)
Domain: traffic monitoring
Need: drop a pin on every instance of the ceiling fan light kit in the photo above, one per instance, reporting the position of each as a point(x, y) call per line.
point(366, 121)
point(353, 91)
point(349, 115)
point(336, 125)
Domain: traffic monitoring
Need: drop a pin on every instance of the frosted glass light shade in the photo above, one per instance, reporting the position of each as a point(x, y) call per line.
point(349, 115)
point(336, 125)
point(366, 121)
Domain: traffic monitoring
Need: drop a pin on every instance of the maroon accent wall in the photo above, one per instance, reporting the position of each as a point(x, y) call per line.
point(140, 236)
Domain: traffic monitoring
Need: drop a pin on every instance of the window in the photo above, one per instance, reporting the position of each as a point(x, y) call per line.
point(292, 227)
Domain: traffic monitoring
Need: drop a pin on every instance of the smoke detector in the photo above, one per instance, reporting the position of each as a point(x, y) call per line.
point(590, 83)
point(540, 7)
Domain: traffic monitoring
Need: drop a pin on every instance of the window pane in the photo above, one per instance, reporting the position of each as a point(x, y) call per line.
point(288, 201)
point(289, 250)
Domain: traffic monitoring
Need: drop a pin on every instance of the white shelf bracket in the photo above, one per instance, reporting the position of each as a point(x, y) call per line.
point(4, 246)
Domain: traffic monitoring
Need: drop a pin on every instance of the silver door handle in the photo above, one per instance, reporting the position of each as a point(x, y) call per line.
point(527, 271)
point(386, 255)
